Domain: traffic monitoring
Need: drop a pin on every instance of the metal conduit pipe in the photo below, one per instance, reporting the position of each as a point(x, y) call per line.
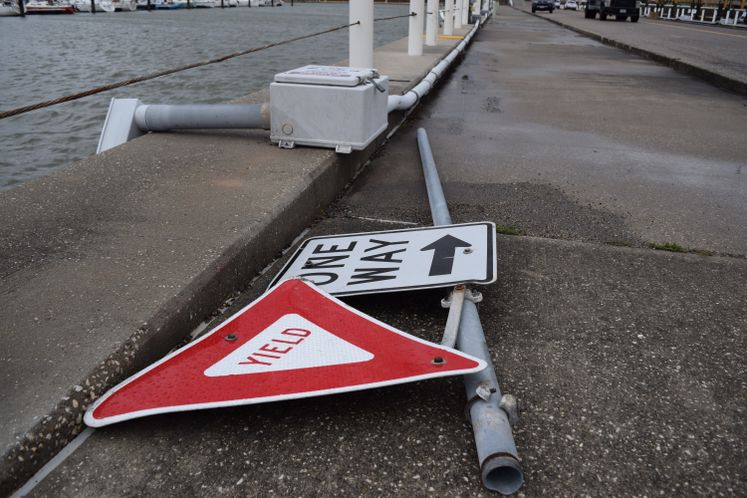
point(409, 99)
point(496, 451)
point(487, 409)
point(185, 117)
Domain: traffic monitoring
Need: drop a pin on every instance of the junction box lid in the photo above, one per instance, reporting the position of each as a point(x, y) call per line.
point(327, 75)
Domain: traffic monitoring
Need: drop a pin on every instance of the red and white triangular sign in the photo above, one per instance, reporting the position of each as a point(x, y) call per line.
point(295, 341)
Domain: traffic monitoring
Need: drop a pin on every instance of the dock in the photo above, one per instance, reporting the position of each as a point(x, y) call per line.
point(626, 358)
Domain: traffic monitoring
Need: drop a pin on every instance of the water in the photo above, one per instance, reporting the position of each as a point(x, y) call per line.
point(45, 57)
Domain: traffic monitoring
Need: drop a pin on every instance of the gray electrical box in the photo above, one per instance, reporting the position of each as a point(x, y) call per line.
point(344, 108)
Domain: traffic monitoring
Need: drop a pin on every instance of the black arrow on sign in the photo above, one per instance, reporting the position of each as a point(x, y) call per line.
point(443, 254)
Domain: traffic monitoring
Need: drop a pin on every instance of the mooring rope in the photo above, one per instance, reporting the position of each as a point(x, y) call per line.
point(132, 81)
point(411, 14)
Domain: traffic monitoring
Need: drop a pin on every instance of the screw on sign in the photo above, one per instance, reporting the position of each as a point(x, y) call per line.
point(295, 341)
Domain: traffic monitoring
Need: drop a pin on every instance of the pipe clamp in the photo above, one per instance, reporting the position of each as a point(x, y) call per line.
point(482, 393)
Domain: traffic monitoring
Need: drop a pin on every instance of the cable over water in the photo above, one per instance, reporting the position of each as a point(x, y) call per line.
point(166, 72)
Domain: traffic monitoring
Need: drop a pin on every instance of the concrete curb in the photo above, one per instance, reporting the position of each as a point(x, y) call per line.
point(226, 275)
point(736, 86)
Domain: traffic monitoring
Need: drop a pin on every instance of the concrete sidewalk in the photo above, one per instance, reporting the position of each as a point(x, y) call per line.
point(109, 263)
point(713, 53)
point(628, 361)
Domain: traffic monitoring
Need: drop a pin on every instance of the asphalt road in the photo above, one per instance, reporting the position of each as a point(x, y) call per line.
point(718, 48)
point(628, 361)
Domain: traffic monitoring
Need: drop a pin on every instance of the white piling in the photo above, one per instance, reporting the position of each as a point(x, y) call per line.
point(361, 35)
point(415, 34)
point(431, 23)
point(458, 13)
point(449, 17)
point(465, 12)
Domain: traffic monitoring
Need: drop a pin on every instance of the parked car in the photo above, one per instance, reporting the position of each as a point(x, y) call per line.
point(621, 9)
point(570, 5)
point(556, 4)
point(548, 5)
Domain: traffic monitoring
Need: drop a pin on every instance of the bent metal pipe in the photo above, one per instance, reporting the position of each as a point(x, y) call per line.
point(500, 469)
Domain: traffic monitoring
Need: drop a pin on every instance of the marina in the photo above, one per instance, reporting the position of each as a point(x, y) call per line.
point(9, 9)
point(34, 69)
point(594, 172)
point(35, 7)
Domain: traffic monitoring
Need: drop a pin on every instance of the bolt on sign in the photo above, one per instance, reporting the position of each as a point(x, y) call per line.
point(396, 260)
point(295, 341)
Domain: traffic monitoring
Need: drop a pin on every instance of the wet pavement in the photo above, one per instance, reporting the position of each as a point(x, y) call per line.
point(106, 263)
point(626, 360)
point(715, 48)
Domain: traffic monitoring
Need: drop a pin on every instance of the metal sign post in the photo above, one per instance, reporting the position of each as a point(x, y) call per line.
point(488, 411)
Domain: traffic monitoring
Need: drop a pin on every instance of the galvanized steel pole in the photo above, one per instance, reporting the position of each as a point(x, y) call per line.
point(496, 451)
point(360, 37)
point(500, 469)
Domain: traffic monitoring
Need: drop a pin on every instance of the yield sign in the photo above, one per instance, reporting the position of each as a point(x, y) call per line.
point(293, 342)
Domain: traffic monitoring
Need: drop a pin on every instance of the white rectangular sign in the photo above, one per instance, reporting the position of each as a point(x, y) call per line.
point(396, 260)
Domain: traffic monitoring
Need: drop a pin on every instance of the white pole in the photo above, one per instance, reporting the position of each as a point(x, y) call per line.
point(361, 35)
point(458, 14)
point(415, 35)
point(431, 23)
point(465, 12)
point(449, 17)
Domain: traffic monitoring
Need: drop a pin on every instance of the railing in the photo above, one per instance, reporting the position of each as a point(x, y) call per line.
point(704, 14)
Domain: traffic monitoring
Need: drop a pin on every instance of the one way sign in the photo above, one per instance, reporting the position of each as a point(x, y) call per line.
point(396, 260)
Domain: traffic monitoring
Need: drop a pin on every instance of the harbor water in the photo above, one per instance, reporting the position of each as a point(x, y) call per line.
point(45, 57)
